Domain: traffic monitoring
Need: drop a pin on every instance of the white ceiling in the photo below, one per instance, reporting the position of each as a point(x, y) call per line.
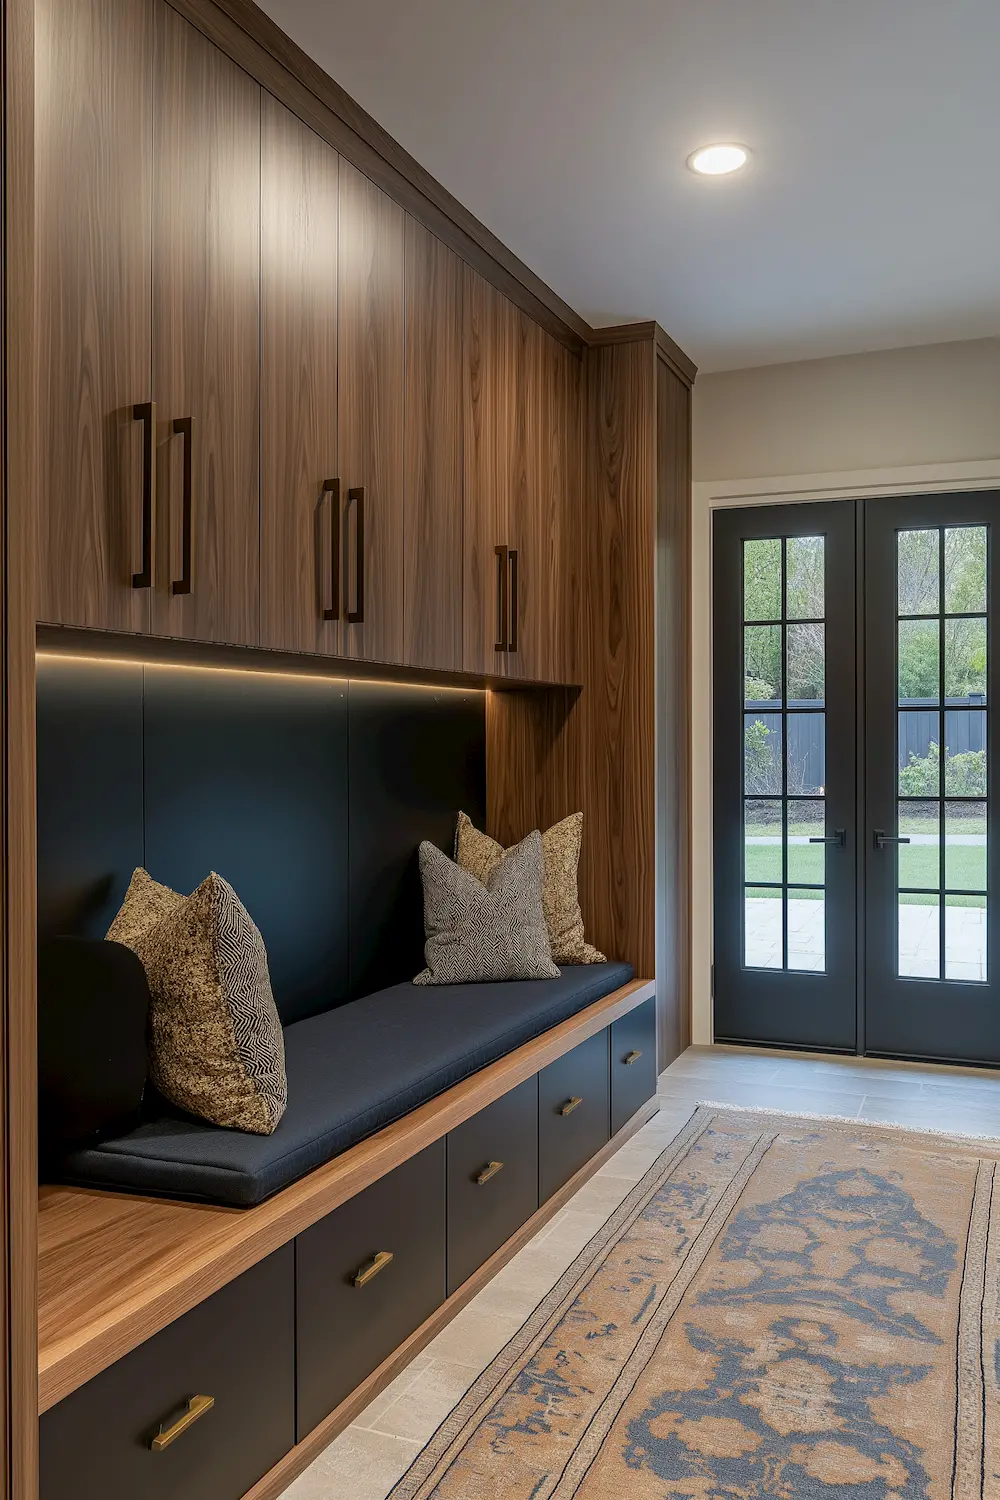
point(869, 217)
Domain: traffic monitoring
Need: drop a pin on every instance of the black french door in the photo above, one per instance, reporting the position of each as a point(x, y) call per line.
point(855, 857)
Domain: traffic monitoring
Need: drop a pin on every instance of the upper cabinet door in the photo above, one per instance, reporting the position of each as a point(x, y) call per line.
point(489, 427)
point(432, 443)
point(94, 64)
point(370, 376)
point(301, 495)
point(206, 276)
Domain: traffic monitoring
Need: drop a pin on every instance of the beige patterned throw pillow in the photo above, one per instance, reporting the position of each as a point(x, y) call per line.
point(488, 930)
point(479, 854)
point(216, 1045)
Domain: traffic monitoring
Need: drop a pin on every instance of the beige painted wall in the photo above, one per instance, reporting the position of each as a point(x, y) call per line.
point(899, 421)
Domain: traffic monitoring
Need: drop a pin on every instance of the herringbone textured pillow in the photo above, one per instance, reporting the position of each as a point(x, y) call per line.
point(216, 1047)
point(485, 930)
point(561, 844)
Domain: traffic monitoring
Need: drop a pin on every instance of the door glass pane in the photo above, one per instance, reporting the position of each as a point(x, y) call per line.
point(965, 659)
point(805, 562)
point(762, 941)
point(920, 859)
point(965, 846)
point(919, 937)
point(806, 930)
point(762, 753)
point(919, 753)
point(965, 756)
point(965, 938)
point(761, 663)
point(918, 572)
point(965, 570)
point(806, 663)
point(806, 753)
point(919, 661)
point(762, 579)
point(806, 861)
point(762, 841)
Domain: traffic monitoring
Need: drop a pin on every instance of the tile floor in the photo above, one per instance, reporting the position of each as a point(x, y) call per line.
point(371, 1455)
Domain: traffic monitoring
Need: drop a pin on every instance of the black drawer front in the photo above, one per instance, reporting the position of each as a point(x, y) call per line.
point(346, 1331)
point(566, 1140)
point(236, 1347)
point(633, 1078)
point(492, 1179)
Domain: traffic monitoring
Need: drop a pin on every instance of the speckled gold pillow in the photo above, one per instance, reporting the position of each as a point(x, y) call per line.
point(479, 855)
point(216, 1045)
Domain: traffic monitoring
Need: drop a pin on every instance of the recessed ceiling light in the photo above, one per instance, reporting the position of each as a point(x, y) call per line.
point(715, 161)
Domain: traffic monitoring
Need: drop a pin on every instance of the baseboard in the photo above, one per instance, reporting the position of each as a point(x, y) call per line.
point(301, 1456)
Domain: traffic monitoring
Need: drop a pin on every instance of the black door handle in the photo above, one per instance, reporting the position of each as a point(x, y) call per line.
point(881, 839)
point(512, 632)
point(145, 412)
point(502, 599)
point(838, 837)
point(331, 487)
point(356, 497)
point(182, 585)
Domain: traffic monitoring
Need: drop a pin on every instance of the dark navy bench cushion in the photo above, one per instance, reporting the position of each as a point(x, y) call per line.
point(350, 1071)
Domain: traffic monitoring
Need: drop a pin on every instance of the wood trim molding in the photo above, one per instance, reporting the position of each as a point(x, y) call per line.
point(115, 1268)
point(18, 952)
point(301, 1456)
point(634, 333)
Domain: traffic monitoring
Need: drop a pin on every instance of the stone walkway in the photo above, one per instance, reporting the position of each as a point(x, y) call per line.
point(965, 939)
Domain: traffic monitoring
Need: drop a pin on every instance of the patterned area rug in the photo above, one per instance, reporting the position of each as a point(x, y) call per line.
point(804, 1309)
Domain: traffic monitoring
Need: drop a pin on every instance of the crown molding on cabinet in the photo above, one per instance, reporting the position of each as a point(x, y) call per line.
point(635, 333)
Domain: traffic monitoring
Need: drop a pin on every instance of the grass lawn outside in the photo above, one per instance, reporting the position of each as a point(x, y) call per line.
point(918, 865)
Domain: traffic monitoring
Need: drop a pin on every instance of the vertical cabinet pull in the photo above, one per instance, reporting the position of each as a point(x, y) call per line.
point(512, 637)
point(502, 598)
point(182, 585)
point(356, 497)
point(331, 487)
point(195, 1408)
point(145, 412)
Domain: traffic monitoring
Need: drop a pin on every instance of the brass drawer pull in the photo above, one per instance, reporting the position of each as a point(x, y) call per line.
point(196, 1407)
point(371, 1270)
point(489, 1171)
point(570, 1105)
point(633, 1057)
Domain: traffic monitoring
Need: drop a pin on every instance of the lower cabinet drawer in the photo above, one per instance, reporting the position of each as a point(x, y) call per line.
point(573, 1112)
point(365, 1277)
point(128, 1434)
point(492, 1179)
point(633, 1063)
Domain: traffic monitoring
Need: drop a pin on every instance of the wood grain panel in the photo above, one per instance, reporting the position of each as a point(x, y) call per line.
point(114, 1269)
point(432, 440)
point(19, 459)
point(490, 348)
point(94, 193)
point(673, 697)
point(371, 411)
point(206, 284)
point(274, 1484)
point(299, 286)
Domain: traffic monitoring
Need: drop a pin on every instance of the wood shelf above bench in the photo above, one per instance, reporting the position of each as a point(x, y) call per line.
point(114, 1269)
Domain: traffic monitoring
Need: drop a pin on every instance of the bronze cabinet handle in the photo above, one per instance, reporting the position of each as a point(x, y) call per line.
point(512, 635)
point(502, 599)
point(633, 1057)
point(196, 1408)
point(183, 428)
point(488, 1171)
point(331, 487)
point(570, 1105)
point(371, 1270)
point(356, 497)
point(145, 412)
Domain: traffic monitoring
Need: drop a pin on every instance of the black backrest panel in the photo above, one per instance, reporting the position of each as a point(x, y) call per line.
point(309, 795)
point(416, 756)
point(89, 792)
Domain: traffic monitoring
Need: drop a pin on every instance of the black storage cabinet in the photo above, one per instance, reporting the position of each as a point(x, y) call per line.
point(573, 1112)
point(353, 1307)
point(492, 1179)
point(237, 1348)
point(633, 1063)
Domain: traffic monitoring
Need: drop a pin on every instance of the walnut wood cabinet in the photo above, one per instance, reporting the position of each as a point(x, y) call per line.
point(276, 409)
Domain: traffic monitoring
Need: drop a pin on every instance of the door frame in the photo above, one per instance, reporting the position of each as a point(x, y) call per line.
point(792, 489)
